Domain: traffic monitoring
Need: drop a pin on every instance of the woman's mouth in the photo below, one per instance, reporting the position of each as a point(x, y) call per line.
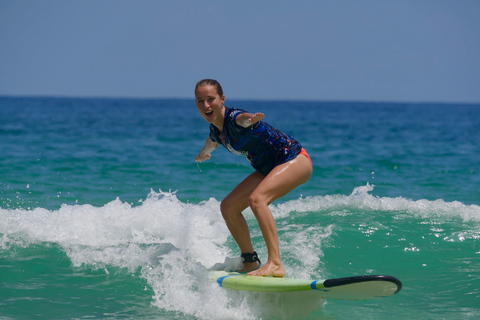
point(208, 113)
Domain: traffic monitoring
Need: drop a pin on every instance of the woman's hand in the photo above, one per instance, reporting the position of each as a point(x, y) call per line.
point(203, 157)
point(256, 117)
point(248, 119)
point(209, 147)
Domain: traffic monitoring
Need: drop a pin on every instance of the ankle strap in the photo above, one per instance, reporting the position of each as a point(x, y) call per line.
point(250, 257)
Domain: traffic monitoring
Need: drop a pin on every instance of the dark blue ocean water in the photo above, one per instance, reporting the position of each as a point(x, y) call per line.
point(105, 214)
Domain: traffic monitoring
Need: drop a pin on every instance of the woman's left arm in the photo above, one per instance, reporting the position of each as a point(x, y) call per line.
point(209, 147)
point(247, 119)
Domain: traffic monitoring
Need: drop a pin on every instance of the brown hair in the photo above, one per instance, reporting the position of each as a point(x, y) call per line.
point(210, 82)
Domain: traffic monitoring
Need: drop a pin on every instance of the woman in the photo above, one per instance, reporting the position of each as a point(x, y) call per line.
point(280, 162)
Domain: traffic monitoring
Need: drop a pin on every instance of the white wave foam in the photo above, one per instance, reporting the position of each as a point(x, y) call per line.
point(361, 199)
point(160, 219)
point(174, 243)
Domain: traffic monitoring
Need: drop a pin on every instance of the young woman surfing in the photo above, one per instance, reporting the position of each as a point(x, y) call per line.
point(280, 163)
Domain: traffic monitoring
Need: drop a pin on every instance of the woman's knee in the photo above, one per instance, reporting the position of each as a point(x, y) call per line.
point(229, 209)
point(255, 201)
point(225, 208)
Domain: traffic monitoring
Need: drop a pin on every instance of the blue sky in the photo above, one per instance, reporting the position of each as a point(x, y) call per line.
point(348, 50)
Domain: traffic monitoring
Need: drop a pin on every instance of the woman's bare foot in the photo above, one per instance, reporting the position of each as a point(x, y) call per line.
point(269, 269)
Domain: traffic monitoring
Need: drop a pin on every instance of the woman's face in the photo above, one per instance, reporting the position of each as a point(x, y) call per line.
point(210, 105)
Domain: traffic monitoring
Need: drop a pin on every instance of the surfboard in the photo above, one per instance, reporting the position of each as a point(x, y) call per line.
point(364, 287)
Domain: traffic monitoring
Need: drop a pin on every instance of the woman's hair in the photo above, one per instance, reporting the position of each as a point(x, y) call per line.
point(210, 82)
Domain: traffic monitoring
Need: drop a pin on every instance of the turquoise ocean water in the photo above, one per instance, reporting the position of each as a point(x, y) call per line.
point(105, 215)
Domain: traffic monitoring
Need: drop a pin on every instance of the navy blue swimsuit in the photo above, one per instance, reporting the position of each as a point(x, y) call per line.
point(264, 146)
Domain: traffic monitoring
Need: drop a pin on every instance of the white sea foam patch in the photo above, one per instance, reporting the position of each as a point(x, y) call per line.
point(169, 243)
point(160, 219)
point(390, 219)
point(361, 200)
point(302, 250)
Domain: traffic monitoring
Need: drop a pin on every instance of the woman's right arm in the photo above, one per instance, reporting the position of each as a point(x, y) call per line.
point(209, 147)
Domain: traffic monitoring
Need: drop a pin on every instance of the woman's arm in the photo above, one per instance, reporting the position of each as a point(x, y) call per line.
point(209, 147)
point(247, 119)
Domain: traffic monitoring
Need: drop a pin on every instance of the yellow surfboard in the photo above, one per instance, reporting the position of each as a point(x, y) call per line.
point(352, 288)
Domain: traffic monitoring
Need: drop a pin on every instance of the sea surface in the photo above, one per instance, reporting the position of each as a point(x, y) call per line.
point(104, 213)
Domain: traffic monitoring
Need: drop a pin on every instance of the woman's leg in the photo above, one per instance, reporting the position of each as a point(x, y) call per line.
point(279, 182)
point(232, 207)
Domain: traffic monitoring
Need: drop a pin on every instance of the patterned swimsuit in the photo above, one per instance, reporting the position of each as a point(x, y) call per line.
point(264, 146)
